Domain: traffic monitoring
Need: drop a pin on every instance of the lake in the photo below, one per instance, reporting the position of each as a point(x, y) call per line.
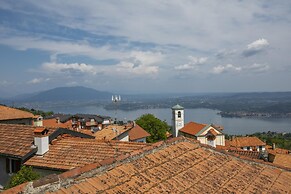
point(231, 125)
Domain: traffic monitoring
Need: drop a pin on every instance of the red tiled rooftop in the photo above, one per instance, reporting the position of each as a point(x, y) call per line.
point(108, 133)
point(54, 123)
point(180, 165)
point(7, 113)
point(137, 133)
point(16, 140)
point(69, 153)
point(246, 141)
point(283, 160)
point(277, 150)
point(192, 128)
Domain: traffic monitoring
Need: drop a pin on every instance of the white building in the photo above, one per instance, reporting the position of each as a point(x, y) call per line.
point(206, 134)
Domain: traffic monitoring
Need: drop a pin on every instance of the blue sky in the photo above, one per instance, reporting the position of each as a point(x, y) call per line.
point(145, 46)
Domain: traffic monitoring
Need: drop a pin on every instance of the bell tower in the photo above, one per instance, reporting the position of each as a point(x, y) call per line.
point(177, 119)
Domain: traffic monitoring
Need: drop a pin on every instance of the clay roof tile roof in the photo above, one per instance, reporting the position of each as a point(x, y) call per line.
point(69, 153)
point(54, 123)
point(179, 165)
point(192, 128)
point(108, 133)
point(7, 113)
point(16, 140)
point(283, 160)
point(246, 141)
point(137, 133)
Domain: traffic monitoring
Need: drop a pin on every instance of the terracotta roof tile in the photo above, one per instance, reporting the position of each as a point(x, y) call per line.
point(137, 133)
point(180, 167)
point(16, 140)
point(283, 160)
point(277, 150)
point(69, 153)
point(192, 128)
point(246, 141)
point(250, 154)
point(53, 123)
point(107, 133)
point(7, 113)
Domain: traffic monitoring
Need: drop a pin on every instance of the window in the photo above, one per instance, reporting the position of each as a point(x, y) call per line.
point(12, 166)
point(179, 114)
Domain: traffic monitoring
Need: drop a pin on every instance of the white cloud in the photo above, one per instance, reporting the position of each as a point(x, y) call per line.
point(140, 63)
point(253, 68)
point(63, 47)
point(137, 63)
point(193, 63)
point(258, 44)
point(38, 80)
point(146, 58)
point(225, 68)
point(255, 47)
point(130, 69)
point(53, 67)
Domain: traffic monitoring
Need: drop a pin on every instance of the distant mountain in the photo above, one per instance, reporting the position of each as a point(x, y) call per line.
point(77, 93)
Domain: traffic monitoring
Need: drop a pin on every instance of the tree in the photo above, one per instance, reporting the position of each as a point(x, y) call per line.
point(25, 174)
point(153, 126)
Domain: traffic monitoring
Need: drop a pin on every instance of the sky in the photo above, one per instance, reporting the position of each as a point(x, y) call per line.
point(153, 46)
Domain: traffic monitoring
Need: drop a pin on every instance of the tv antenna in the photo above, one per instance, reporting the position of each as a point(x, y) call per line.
point(115, 100)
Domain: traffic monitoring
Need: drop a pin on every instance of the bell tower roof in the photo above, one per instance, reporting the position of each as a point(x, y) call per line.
point(177, 107)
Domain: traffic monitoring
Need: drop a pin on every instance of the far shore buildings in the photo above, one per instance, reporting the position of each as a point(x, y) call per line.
point(205, 133)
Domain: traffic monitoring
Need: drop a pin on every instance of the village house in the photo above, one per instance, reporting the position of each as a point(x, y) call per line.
point(138, 134)
point(126, 132)
point(205, 133)
point(20, 142)
point(10, 115)
point(58, 120)
point(248, 143)
point(178, 165)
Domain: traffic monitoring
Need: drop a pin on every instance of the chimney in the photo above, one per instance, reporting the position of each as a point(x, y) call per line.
point(58, 120)
point(273, 146)
point(41, 140)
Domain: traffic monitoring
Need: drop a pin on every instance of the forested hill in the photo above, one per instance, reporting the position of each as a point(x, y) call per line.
point(77, 93)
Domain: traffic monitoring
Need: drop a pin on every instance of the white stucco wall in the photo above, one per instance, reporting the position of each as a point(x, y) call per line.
point(220, 140)
point(123, 137)
point(202, 140)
